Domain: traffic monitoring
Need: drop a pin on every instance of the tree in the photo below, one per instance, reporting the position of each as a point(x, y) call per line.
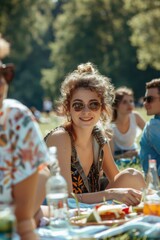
point(27, 26)
point(145, 31)
point(82, 31)
point(95, 31)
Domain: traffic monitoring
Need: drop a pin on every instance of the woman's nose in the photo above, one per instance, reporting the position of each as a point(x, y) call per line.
point(86, 109)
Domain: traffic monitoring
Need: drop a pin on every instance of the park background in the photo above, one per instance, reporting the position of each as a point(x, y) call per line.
point(50, 38)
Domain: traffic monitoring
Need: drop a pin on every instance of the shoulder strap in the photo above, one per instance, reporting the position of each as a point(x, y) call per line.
point(97, 133)
point(99, 142)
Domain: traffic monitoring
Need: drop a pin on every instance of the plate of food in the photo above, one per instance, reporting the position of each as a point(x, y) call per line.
point(108, 215)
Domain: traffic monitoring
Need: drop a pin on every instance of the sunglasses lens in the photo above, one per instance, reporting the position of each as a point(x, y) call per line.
point(78, 106)
point(148, 99)
point(144, 99)
point(94, 106)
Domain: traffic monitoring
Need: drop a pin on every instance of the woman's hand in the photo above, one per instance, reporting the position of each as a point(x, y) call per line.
point(129, 196)
point(130, 154)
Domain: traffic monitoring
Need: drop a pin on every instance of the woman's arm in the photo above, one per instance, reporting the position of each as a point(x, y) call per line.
point(40, 195)
point(24, 196)
point(40, 210)
point(140, 121)
point(128, 196)
point(109, 166)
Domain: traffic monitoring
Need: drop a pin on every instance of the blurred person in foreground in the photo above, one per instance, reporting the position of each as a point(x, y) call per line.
point(23, 157)
point(150, 140)
point(83, 151)
point(127, 125)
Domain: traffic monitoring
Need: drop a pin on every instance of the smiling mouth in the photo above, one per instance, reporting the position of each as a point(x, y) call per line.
point(86, 120)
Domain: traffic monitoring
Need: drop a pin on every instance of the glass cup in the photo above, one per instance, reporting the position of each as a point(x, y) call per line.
point(151, 208)
point(151, 203)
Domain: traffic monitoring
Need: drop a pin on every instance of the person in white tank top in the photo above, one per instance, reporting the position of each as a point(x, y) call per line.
point(126, 125)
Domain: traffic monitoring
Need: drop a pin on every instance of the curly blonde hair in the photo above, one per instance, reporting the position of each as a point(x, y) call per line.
point(87, 76)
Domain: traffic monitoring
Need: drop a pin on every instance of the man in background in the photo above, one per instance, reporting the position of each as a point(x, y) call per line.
point(150, 140)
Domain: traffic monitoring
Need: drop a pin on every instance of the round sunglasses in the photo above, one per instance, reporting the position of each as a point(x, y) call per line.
point(7, 71)
point(93, 106)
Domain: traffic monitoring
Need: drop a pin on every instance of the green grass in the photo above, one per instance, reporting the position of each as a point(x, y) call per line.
point(142, 112)
point(49, 123)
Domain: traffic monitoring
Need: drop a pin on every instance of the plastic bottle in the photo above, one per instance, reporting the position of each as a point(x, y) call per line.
point(56, 195)
point(151, 200)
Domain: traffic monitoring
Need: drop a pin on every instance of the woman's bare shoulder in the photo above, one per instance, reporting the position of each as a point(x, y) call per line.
point(59, 135)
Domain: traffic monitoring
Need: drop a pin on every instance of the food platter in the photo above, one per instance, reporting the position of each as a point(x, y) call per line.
point(108, 215)
point(82, 222)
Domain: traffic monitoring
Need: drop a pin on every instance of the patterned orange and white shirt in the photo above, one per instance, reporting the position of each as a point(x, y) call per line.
point(22, 149)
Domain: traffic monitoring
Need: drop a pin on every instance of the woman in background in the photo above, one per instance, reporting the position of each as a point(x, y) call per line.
point(83, 151)
point(126, 125)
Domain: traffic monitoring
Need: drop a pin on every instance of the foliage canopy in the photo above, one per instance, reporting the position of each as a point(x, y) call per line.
point(50, 38)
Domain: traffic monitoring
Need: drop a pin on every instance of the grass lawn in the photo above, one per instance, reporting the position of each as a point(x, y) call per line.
point(142, 112)
point(50, 123)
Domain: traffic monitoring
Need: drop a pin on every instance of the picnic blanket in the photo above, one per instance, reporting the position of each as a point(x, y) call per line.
point(146, 226)
point(72, 204)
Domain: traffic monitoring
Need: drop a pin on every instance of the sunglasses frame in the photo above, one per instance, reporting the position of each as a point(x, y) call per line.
point(149, 99)
point(7, 71)
point(88, 106)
